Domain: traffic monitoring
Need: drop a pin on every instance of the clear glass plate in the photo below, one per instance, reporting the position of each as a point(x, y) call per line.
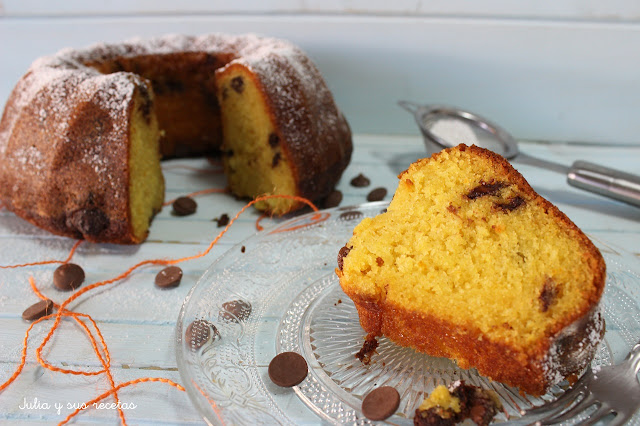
point(290, 300)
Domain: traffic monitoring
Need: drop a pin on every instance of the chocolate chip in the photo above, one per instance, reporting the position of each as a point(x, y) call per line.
point(184, 206)
point(288, 369)
point(360, 181)
point(199, 332)
point(169, 277)
point(512, 204)
point(275, 160)
point(380, 403)
point(223, 220)
point(235, 311)
point(38, 310)
point(91, 221)
point(332, 200)
point(274, 140)
point(344, 251)
point(548, 294)
point(68, 277)
point(485, 189)
point(237, 84)
point(377, 194)
point(351, 215)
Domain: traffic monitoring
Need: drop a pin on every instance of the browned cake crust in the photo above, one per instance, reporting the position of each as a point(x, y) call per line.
point(64, 133)
point(568, 348)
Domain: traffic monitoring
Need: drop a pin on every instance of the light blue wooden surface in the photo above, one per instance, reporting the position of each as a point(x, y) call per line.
point(138, 320)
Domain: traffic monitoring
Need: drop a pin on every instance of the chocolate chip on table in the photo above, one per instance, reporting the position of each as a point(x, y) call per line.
point(351, 215)
point(38, 310)
point(184, 206)
point(235, 311)
point(360, 181)
point(377, 194)
point(332, 200)
point(237, 84)
point(169, 277)
point(68, 277)
point(288, 369)
point(380, 403)
point(199, 332)
point(223, 220)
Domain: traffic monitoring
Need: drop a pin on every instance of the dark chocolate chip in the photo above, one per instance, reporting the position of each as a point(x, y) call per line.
point(548, 294)
point(68, 277)
point(89, 221)
point(223, 220)
point(344, 251)
point(360, 181)
point(288, 369)
point(332, 200)
point(199, 332)
point(485, 189)
point(351, 215)
point(512, 204)
point(235, 310)
point(38, 310)
point(275, 160)
point(184, 206)
point(377, 194)
point(169, 277)
point(274, 140)
point(237, 84)
point(381, 403)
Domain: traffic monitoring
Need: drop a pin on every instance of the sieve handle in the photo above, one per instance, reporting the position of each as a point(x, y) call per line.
point(611, 183)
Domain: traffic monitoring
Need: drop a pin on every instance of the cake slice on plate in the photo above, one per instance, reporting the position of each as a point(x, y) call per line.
point(470, 263)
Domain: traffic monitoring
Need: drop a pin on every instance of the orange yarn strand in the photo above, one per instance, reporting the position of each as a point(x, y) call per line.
point(47, 262)
point(226, 228)
point(258, 220)
point(102, 352)
point(204, 191)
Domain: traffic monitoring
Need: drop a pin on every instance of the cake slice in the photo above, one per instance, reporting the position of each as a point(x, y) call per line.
point(470, 263)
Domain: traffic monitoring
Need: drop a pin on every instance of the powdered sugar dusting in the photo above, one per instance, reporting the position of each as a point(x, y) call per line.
point(556, 362)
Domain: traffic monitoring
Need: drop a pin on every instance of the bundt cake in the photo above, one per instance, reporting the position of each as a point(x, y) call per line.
point(83, 131)
point(469, 263)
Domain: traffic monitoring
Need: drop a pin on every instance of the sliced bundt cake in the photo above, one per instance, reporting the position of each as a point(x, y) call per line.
point(470, 263)
point(83, 130)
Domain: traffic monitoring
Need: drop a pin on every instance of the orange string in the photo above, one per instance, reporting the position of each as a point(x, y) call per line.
point(47, 262)
point(105, 360)
point(204, 191)
point(258, 220)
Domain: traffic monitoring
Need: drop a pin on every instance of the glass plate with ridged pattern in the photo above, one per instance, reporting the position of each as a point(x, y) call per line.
point(285, 275)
